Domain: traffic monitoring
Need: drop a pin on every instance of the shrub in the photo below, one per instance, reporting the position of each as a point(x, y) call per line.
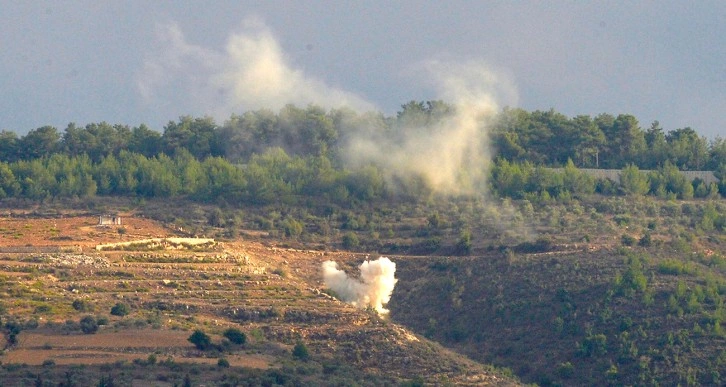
point(13, 330)
point(43, 308)
point(200, 340)
point(120, 309)
point(235, 335)
point(292, 228)
point(106, 381)
point(464, 245)
point(646, 240)
point(594, 345)
point(628, 240)
point(350, 241)
point(82, 306)
point(89, 325)
point(223, 363)
point(565, 370)
point(300, 351)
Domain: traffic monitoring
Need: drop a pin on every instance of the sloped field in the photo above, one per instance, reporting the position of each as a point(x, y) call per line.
point(272, 295)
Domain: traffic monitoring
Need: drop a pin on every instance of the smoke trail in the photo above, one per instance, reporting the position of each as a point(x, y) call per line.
point(453, 155)
point(374, 288)
point(250, 73)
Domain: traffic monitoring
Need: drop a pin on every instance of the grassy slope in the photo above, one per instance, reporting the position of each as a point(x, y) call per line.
point(625, 315)
point(593, 306)
point(576, 307)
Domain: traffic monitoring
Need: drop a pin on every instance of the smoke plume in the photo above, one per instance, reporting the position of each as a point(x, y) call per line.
point(452, 155)
point(373, 289)
point(250, 73)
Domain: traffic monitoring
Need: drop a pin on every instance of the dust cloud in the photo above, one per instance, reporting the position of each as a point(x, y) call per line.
point(452, 156)
point(250, 73)
point(374, 288)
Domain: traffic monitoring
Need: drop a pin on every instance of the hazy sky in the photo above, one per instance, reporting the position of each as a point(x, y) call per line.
point(134, 62)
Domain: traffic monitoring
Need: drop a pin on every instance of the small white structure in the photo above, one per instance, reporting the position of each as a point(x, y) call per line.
point(109, 220)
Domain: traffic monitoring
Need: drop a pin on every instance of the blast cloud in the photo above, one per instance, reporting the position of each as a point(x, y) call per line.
point(373, 289)
point(250, 73)
point(452, 156)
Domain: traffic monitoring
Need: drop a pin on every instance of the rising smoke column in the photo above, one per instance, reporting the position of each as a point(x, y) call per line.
point(453, 156)
point(373, 289)
point(251, 72)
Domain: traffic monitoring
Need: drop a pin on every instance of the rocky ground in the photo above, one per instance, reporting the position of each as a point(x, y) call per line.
point(274, 295)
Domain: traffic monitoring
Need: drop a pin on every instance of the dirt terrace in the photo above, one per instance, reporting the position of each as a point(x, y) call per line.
point(272, 294)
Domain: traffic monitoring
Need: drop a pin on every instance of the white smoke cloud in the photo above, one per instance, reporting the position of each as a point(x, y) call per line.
point(250, 73)
point(373, 289)
point(453, 155)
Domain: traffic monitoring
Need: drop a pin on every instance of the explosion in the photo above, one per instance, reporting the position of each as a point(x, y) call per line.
point(373, 289)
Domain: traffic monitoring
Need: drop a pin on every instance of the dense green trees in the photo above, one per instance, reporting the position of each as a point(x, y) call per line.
point(545, 138)
point(263, 157)
point(270, 177)
point(605, 141)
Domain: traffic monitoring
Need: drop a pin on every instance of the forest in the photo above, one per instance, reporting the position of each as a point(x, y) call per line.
point(263, 157)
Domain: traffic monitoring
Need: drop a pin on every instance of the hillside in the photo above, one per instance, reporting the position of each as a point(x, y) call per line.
point(623, 292)
point(53, 276)
point(597, 290)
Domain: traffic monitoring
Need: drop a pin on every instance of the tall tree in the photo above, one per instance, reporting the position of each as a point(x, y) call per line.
point(657, 147)
point(686, 149)
point(717, 150)
point(8, 146)
point(589, 140)
point(145, 141)
point(625, 142)
point(39, 142)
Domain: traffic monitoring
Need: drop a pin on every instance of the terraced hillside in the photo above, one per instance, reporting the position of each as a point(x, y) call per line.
point(145, 300)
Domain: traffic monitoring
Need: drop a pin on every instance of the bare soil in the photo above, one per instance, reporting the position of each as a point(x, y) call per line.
point(272, 294)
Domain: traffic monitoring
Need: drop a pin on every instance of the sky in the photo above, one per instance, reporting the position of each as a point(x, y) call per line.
point(132, 62)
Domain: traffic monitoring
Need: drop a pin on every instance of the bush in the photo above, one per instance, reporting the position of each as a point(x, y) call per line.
point(43, 308)
point(82, 306)
point(350, 241)
point(200, 340)
point(300, 351)
point(627, 240)
point(120, 309)
point(565, 370)
point(292, 228)
point(594, 345)
point(89, 325)
point(223, 363)
point(235, 336)
point(464, 245)
point(646, 240)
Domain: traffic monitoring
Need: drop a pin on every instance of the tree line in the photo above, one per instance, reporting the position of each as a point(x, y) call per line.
point(265, 157)
point(604, 141)
point(537, 183)
point(270, 177)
